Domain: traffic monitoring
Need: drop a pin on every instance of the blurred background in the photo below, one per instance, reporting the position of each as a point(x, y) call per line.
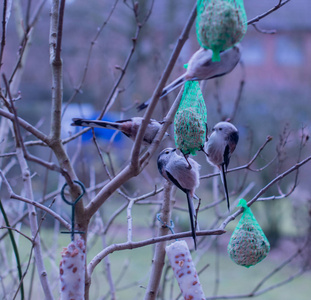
point(275, 101)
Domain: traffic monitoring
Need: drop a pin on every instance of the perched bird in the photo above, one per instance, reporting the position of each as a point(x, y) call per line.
point(175, 169)
point(128, 127)
point(219, 147)
point(201, 67)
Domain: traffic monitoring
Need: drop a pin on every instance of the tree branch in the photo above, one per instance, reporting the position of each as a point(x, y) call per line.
point(159, 252)
point(133, 245)
point(276, 7)
point(136, 164)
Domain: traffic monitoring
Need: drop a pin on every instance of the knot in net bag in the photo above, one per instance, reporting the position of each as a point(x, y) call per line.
point(190, 120)
point(248, 244)
point(220, 24)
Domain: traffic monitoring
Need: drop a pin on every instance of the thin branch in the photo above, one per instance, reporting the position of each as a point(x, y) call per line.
point(246, 166)
point(57, 59)
point(133, 245)
point(272, 31)
point(34, 226)
point(18, 231)
point(239, 95)
point(275, 180)
point(20, 143)
point(129, 221)
point(15, 248)
point(257, 291)
point(89, 55)
point(44, 208)
point(5, 17)
point(259, 17)
point(25, 35)
point(159, 252)
point(12, 195)
point(114, 215)
point(264, 189)
point(135, 163)
point(277, 269)
point(34, 131)
point(144, 160)
point(122, 72)
point(56, 27)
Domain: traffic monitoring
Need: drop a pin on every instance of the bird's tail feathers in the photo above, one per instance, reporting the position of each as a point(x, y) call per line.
point(192, 219)
point(173, 85)
point(95, 123)
point(143, 105)
point(224, 181)
point(169, 88)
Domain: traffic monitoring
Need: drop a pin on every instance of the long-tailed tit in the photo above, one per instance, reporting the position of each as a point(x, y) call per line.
point(201, 67)
point(128, 127)
point(175, 169)
point(219, 148)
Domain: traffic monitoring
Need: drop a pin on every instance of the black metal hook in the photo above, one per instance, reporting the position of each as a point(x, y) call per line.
point(171, 227)
point(73, 205)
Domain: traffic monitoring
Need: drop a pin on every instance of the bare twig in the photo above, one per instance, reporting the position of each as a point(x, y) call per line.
point(133, 245)
point(246, 166)
point(12, 195)
point(272, 31)
point(276, 7)
point(159, 252)
point(5, 17)
point(257, 291)
point(264, 189)
point(34, 226)
point(25, 35)
point(122, 71)
point(135, 163)
point(239, 95)
point(18, 231)
point(78, 89)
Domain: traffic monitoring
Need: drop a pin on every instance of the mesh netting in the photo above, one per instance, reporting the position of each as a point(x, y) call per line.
point(190, 120)
point(248, 244)
point(220, 24)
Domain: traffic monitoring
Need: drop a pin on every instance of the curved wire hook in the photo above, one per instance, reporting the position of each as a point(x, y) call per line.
point(170, 227)
point(73, 206)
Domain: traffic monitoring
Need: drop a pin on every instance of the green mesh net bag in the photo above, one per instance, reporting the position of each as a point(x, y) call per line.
point(220, 24)
point(248, 244)
point(190, 120)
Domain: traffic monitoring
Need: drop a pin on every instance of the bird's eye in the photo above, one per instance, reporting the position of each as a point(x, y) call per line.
point(220, 128)
point(167, 152)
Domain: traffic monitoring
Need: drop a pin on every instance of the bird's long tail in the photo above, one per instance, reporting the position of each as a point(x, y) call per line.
point(95, 123)
point(169, 88)
point(192, 221)
point(224, 181)
point(173, 85)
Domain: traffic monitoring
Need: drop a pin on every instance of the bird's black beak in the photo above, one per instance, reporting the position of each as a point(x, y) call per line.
point(174, 150)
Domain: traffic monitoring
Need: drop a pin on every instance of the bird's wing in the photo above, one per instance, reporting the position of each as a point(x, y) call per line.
point(226, 157)
point(172, 179)
point(233, 139)
point(190, 206)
